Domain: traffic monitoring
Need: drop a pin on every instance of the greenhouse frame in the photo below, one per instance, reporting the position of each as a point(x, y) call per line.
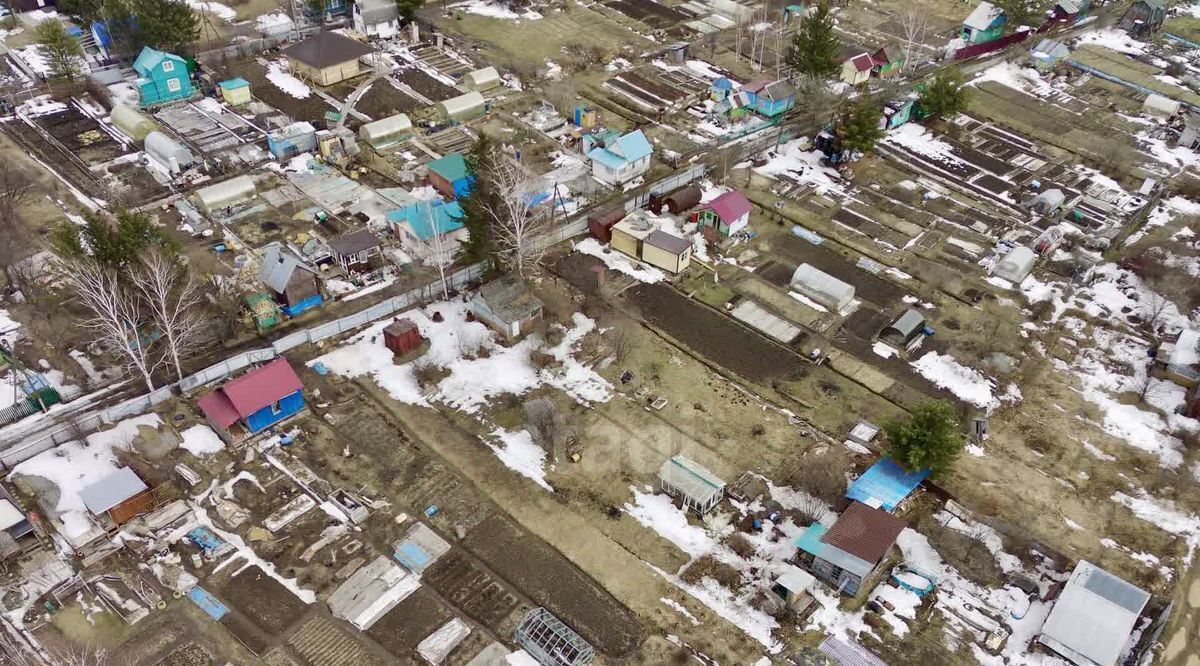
point(551, 642)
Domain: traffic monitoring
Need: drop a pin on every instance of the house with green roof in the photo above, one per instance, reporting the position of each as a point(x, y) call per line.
point(450, 176)
point(162, 77)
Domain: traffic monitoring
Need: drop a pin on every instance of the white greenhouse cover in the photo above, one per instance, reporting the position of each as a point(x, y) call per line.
point(822, 287)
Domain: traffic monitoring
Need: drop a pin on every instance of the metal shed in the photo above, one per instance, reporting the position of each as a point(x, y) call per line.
point(822, 287)
point(1016, 265)
point(171, 154)
point(699, 489)
point(131, 122)
point(1092, 619)
point(551, 642)
point(481, 79)
point(386, 132)
point(227, 193)
point(904, 329)
point(463, 107)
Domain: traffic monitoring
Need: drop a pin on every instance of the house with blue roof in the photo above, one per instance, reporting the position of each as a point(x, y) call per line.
point(885, 485)
point(162, 77)
point(619, 160)
point(417, 223)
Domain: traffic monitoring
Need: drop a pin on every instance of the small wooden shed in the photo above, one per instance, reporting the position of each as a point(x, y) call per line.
point(401, 336)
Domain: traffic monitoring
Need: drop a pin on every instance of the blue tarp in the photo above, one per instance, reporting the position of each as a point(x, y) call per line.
point(311, 302)
point(885, 484)
point(207, 602)
point(412, 556)
point(205, 539)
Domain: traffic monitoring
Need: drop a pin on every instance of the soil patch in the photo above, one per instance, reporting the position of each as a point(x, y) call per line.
point(552, 581)
point(410, 622)
point(272, 606)
point(385, 99)
point(713, 335)
point(245, 631)
point(188, 655)
point(867, 287)
point(428, 86)
point(470, 588)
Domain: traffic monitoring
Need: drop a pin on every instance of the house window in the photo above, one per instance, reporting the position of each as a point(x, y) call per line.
point(363, 256)
point(276, 407)
point(168, 66)
point(173, 85)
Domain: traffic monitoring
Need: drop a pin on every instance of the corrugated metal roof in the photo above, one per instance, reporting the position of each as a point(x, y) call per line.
point(111, 490)
point(278, 265)
point(864, 532)
point(982, 17)
point(849, 653)
point(452, 167)
point(730, 206)
point(261, 387)
point(1093, 616)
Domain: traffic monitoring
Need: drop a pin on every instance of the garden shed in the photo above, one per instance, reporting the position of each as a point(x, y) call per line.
point(227, 193)
point(699, 489)
point(507, 305)
point(668, 252)
point(131, 122)
point(822, 287)
point(235, 92)
point(401, 336)
point(120, 495)
point(481, 79)
point(1015, 265)
point(386, 132)
point(683, 199)
point(463, 107)
point(171, 154)
point(287, 142)
point(326, 58)
point(1091, 621)
point(906, 327)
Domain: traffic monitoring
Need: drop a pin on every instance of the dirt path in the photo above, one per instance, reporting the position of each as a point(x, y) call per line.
point(618, 570)
point(1183, 639)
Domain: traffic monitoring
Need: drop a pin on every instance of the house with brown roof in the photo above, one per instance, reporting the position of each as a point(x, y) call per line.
point(356, 251)
point(327, 58)
point(851, 551)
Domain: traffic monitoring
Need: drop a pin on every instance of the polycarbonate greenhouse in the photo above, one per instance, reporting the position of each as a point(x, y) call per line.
point(699, 489)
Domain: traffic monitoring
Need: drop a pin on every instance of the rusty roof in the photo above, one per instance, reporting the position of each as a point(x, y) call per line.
point(864, 532)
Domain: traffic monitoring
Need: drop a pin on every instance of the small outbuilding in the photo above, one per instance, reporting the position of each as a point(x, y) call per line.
point(1093, 617)
point(402, 336)
point(684, 199)
point(254, 402)
point(295, 285)
point(376, 18)
point(481, 79)
point(235, 92)
point(667, 251)
point(1048, 53)
point(724, 216)
point(386, 132)
point(172, 155)
point(600, 225)
point(464, 107)
point(904, 330)
point(823, 288)
point(120, 496)
point(856, 68)
point(292, 140)
point(1144, 17)
point(227, 193)
point(794, 587)
point(885, 485)
point(1016, 265)
point(356, 251)
point(508, 306)
point(450, 176)
point(984, 24)
point(327, 58)
point(683, 478)
point(628, 235)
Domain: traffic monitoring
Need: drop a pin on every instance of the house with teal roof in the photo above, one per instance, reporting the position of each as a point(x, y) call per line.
point(417, 223)
point(162, 77)
point(621, 159)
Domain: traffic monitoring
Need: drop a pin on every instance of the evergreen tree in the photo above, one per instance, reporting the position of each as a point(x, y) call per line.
point(945, 95)
point(859, 129)
point(931, 438)
point(479, 245)
point(408, 9)
point(115, 242)
point(168, 25)
point(815, 48)
point(60, 48)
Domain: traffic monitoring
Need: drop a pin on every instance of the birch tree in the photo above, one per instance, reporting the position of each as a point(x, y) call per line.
point(513, 221)
point(114, 314)
point(914, 21)
point(439, 250)
point(173, 298)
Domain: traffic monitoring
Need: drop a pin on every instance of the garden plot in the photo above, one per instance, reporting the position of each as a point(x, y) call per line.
point(656, 90)
point(656, 15)
point(476, 371)
point(274, 86)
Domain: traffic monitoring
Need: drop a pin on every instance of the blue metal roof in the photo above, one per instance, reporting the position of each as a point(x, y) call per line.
point(629, 148)
point(810, 540)
point(424, 217)
point(722, 84)
point(885, 484)
point(234, 83)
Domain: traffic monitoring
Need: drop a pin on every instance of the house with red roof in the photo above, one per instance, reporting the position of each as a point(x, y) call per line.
point(255, 401)
point(849, 553)
point(724, 216)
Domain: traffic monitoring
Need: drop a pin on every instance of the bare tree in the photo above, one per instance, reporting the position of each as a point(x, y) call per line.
point(1155, 307)
point(914, 21)
point(514, 222)
point(15, 190)
point(621, 338)
point(115, 315)
point(439, 250)
point(822, 474)
point(173, 297)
